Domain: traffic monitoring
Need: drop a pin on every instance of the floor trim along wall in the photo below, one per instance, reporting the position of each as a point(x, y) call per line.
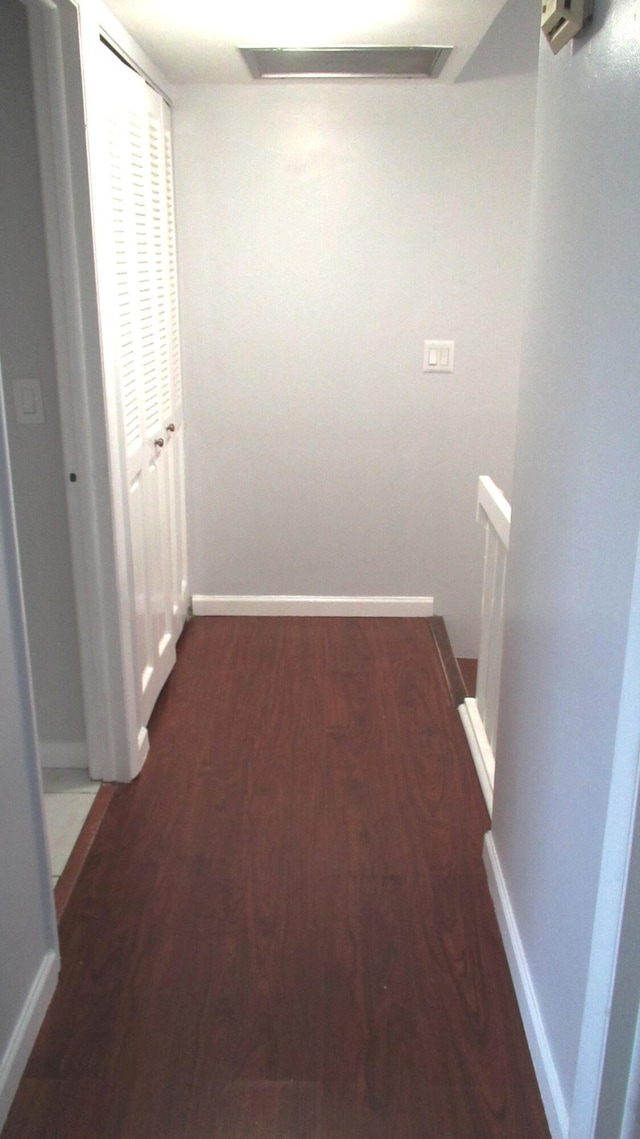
point(63, 753)
point(480, 747)
point(550, 1090)
point(208, 605)
point(24, 1034)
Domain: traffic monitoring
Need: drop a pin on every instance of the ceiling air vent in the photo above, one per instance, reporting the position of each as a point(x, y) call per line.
point(345, 62)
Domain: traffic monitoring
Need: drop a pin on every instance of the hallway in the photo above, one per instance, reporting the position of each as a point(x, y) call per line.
point(283, 928)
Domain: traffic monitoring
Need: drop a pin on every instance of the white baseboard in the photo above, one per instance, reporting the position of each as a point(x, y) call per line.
point(143, 751)
point(548, 1082)
point(225, 605)
point(63, 753)
point(480, 748)
point(24, 1034)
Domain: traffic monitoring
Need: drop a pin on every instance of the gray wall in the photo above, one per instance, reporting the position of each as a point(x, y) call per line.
point(324, 232)
point(28, 938)
point(26, 348)
point(576, 517)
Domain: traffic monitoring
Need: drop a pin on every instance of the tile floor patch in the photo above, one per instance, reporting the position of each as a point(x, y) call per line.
point(60, 780)
point(65, 816)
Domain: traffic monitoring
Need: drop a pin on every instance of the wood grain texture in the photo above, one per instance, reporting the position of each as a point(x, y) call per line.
point(283, 928)
point(448, 661)
point(67, 881)
point(469, 670)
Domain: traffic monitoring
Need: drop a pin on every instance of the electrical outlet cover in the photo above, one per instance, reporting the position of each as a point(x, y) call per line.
point(27, 395)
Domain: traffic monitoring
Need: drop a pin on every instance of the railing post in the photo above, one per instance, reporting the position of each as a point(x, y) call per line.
point(479, 714)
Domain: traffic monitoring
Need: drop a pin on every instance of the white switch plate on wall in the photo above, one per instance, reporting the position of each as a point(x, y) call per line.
point(27, 395)
point(438, 356)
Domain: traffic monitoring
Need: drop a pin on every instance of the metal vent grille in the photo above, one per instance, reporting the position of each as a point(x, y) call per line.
point(345, 62)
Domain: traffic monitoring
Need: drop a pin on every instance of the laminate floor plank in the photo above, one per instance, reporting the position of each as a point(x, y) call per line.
point(283, 929)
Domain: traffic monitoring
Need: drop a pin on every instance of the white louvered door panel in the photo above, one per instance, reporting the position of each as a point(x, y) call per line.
point(155, 335)
point(173, 396)
point(135, 264)
point(125, 117)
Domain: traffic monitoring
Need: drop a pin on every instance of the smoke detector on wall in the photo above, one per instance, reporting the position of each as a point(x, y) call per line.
point(563, 19)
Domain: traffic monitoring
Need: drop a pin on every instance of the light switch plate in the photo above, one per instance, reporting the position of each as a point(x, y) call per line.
point(438, 356)
point(27, 395)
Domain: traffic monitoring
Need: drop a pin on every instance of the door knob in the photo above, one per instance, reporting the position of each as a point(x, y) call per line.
point(171, 426)
point(159, 442)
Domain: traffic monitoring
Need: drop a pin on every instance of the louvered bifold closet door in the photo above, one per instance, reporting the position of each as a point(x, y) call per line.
point(141, 350)
point(175, 454)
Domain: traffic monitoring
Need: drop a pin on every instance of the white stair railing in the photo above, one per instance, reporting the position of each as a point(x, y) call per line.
point(479, 714)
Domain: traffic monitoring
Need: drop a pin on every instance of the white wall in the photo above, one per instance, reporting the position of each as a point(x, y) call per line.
point(576, 517)
point(26, 344)
point(324, 231)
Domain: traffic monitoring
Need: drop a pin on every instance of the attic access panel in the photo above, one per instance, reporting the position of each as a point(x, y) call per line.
point(345, 62)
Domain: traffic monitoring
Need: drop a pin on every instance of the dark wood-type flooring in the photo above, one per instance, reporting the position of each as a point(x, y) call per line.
point(469, 670)
point(67, 881)
point(283, 929)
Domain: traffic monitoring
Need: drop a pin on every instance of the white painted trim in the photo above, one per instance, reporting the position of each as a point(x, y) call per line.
point(24, 1034)
point(123, 41)
point(58, 94)
point(631, 1116)
point(480, 748)
point(63, 753)
point(492, 502)
point(229, 605)
point(548, 1081)
point(595, 1096)
point(142, 753)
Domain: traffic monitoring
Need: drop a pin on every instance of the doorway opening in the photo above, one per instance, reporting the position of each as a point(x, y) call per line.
point(33, 411)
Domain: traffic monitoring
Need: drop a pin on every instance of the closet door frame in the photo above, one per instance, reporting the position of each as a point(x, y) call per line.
point(64, 36)
point(134, 247)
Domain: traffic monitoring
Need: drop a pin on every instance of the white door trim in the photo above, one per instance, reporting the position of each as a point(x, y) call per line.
point(14, 1061)
point(604, 1052)
point(115, 751)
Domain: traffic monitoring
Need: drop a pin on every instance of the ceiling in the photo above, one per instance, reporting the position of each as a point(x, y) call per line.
point(195, 41)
